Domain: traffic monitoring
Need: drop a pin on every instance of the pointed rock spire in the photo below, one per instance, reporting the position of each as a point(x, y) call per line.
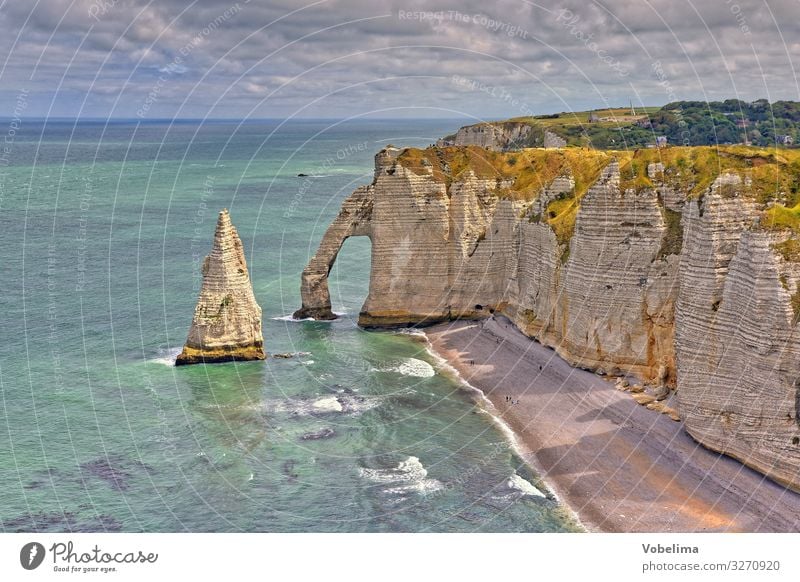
point(227, 320)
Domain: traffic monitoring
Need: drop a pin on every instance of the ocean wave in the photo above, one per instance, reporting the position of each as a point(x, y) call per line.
point(166, 357)
point(409, 476)
point(523, 486)
point(410, 367)
point(335, 404)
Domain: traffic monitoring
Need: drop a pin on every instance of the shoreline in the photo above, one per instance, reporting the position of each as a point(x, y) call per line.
point(612, 463)
point(516, 444)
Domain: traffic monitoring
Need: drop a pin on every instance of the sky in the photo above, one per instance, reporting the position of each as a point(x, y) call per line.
point(338, 59)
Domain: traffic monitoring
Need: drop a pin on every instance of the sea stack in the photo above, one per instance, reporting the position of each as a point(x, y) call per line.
point(227, 320)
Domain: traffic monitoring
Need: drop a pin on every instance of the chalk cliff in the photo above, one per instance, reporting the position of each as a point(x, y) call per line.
point(738, 340)
point(227, 320)
point(498, 136)
point(680, 266)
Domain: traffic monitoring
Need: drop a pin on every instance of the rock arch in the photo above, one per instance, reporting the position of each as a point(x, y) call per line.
point(354, 219)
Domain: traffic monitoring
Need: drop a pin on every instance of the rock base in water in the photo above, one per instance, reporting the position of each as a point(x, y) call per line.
point(191, 355)
point(316, 313)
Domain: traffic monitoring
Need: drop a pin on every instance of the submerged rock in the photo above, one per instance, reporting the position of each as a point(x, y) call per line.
point(227, 320)
point(323, 433)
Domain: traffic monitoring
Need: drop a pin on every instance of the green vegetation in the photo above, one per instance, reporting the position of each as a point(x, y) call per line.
point(672, 243)
point(796, 305)
point(779, 217)
point(769, 177)
point(684, 123)
point(226, 302)
point(528, 170)
point(789, 250)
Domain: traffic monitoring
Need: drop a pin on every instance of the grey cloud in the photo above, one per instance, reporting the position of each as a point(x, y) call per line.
point(343, 53)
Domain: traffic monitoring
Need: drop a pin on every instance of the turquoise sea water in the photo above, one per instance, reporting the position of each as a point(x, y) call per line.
point(103, 230)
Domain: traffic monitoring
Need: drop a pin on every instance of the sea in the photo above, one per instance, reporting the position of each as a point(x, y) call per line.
point(103, 228)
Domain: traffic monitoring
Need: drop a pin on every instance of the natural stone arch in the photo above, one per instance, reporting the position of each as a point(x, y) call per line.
point(353, 220)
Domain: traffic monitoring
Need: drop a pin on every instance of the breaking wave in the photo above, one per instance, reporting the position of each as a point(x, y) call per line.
point(166, 356)
point(409, 476)
point(410, 367)
point(334, 404)
point(523, 486)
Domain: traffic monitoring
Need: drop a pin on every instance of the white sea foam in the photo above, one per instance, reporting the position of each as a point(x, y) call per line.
point(412, 332)
point(524, 486)
point(327, 404)
point(166, 357)
point(409, 476)
point(339, 404)
point(292, 318)
point(410, 367)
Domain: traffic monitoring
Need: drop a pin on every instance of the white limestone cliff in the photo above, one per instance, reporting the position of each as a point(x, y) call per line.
point(651, 273)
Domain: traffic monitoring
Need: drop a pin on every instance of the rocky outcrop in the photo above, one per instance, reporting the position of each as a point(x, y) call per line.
point(552, 140)
point(352, 220)
point(656, 264)
point(497, 136)
point(227, 320)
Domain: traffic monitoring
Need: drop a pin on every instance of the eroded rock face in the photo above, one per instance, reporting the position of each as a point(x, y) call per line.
point(227, 320)
point(682, 290)
point(462, 250)
point(609, 305)
point(737, 340)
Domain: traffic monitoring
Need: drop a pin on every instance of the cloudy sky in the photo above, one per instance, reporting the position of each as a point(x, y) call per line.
point(388, 58)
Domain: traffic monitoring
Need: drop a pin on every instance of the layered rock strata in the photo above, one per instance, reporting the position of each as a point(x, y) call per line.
point(445, 248)
point(662, 264)
point(738, 340)
point(227, 320)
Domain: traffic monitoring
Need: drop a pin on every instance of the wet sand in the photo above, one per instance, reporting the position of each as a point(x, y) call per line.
point(617, 465)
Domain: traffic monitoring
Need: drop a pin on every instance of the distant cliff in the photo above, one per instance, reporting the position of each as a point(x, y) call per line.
point(680, 265)
point(687, 123)
point(499, 136)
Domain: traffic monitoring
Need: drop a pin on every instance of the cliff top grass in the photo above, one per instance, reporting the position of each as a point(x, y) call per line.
point(770, 176)
point(608, 117)
point(528, 170)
